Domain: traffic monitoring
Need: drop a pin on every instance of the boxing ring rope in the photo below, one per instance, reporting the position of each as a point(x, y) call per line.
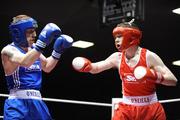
point(69, 101)
point(89, 103)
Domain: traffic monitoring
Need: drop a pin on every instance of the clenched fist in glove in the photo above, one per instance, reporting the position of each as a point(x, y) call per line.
point(50, 31)
point(63, 42)
point(143, 73)
point(81, 64)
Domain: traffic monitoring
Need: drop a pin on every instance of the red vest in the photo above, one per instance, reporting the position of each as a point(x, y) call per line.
point(130, 85)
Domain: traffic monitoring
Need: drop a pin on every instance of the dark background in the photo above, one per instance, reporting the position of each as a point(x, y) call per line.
point(81, 20)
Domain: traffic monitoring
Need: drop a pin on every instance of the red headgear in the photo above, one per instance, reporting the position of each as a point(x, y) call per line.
point(131, 35)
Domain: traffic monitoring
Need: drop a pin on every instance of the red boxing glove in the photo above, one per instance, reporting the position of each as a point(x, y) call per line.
point(81, 64)
point(142, 73)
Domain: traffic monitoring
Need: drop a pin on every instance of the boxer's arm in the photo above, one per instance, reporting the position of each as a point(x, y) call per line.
point(111, 62)
point(156, 63)
point(48, 64)
point(85, 65)
point(100, 66)
point(16, 57)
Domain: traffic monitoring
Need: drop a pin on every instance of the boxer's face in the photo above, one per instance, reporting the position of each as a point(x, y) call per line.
point(31, 36)
point(118, 42)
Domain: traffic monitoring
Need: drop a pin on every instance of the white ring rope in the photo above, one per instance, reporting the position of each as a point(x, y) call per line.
point(90, 103)
point(69, 101)
point(170, 100)
point(76, 102)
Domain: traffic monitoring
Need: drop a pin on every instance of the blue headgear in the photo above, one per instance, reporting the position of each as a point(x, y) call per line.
point(18, 31)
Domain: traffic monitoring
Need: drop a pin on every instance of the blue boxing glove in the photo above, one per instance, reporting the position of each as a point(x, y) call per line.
point(50, 31)
point(63, 42)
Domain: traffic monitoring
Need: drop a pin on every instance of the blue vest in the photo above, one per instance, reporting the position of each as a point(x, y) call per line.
point(25, 78)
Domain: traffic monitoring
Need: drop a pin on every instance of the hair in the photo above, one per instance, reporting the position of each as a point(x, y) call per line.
point(19, 18)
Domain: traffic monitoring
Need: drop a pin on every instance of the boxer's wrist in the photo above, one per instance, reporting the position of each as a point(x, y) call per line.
point(55, 55)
